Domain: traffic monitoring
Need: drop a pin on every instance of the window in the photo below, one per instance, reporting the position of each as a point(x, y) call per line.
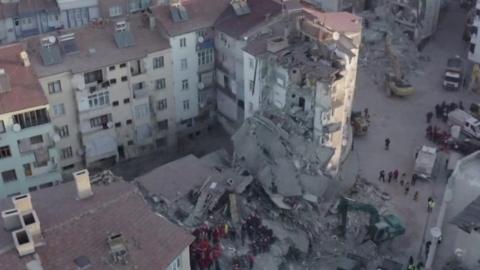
point(100, 121)
point(142, 111)
point(124, 78)
point(188, 122)
point(9, 176)
point(113, 81)
point(161, 142)
point(251, 63)
point(183, 64)
point(129, 121)
point(111, 68)
point(93, 76)
point(158, 62)
point(54, 87)
point(66, 153)
point(115, 103)
point(251, 86)
point(185, 84)
point(123, 65)
point(183, 42)
point(130, 142)
point(125, 101)
point(5, 152)
point(63, 131)
point(115, 11)
point(163, 125)
point(160, 84)
point(31, 118)
point(99, 99)
point(162, 104)
point(472, 47)
point(68, 167)
point(58, 109)
point(175, 265)
point(138, 86)
point(32, 189)
point(2, 127)
point(118, 124)
point(205, 57)
point(186, 105)
point(36, 139)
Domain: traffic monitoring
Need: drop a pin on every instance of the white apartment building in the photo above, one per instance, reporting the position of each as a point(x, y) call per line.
point(188, 27)
point(28, 157)
point(474, 50)
point(285, 69)
point(233, 28)
point(110, 90)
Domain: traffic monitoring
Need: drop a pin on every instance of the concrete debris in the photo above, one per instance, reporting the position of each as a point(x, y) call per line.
point(106, 177)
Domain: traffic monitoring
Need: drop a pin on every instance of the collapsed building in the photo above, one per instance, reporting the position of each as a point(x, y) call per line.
point(306, 65)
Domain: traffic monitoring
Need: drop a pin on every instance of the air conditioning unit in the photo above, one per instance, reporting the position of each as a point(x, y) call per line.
point(47, 42)
point(201, 85)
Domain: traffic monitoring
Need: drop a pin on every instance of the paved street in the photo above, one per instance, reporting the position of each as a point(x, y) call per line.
point(403, 120)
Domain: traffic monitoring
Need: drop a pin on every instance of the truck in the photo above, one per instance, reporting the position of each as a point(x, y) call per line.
point(425, 159)
point(469, 124)
point(453, 77)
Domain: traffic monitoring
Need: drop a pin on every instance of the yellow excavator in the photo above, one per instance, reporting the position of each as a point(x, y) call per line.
point(396, 83)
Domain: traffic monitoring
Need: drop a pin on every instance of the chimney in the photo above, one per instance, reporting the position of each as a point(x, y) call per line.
point(31, 223)
point(23, 203)
point(4, 81)
point(151, 22)
point(25, 58)
point(11, 220)
point(82, 182)
point(23, 242)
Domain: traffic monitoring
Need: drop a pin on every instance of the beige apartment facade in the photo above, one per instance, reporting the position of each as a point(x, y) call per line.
point(111, 98)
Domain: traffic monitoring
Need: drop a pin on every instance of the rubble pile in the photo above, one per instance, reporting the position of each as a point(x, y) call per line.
point(373, 55)
point(105, 177)
point(270, 206)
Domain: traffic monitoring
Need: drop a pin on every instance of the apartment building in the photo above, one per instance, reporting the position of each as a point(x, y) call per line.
point(90, 227)
point(308, 69)
point(474, 49)
point(110, 89)
point(28, 157)
point(116, 8)
point(24, 18)
point(188, 28)
point(341, 5)
point(232, 30)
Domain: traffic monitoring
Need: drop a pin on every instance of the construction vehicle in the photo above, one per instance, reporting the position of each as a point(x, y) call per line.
point(396, 84)
point(379, 230)
point(453, 77)
point(359, 124)
point(469, 124)
point(425, 159)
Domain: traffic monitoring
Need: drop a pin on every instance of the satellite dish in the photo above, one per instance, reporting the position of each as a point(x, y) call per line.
point(201, 85)
point(56, 137)
point(110, 124)
point(201, 39)
point(52, 39)
point(17, 128)
point(336, 36)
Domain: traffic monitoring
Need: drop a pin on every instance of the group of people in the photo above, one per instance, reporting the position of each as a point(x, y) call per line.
point(260, 236)
point(205, 250)
point(395, 177)
point(442, 110)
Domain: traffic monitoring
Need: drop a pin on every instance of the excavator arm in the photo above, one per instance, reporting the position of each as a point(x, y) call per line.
point(347, 205)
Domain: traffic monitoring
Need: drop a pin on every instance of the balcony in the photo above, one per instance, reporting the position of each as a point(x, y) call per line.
point(140, 93)
point(26, 146)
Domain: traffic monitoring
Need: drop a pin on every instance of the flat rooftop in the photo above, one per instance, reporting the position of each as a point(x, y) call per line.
point(25, 90)
point(97, 47)
point(72, 228)
point(199, 16)
point(174, 180)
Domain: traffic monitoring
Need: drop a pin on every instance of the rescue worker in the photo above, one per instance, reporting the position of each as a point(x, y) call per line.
point(431, 204)
point(415, 196)
point(387, 143)
point(429, 117)
point(381, 177)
